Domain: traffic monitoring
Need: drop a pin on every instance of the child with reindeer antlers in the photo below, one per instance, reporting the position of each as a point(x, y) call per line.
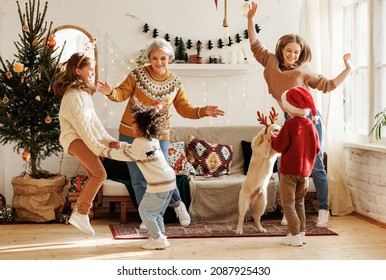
point(298, 143)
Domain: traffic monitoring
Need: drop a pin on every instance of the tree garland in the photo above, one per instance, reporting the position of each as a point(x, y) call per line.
point(189, 43)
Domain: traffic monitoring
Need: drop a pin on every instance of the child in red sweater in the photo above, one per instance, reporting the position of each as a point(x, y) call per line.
point(298, 144)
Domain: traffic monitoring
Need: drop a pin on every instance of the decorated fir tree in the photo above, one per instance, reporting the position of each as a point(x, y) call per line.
point(28, 107)
point(180, 53)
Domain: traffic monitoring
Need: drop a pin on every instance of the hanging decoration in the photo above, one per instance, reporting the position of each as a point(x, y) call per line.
point(227, 40)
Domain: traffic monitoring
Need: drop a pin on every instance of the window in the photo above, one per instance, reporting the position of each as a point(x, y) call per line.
point(365, 90)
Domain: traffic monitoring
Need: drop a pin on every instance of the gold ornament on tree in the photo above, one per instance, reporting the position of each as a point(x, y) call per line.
point(48, 120)
point(38, 98)
point(5, 99)
point(18, 67)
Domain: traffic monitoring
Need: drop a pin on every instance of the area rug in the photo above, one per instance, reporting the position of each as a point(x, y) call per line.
point(214, 230)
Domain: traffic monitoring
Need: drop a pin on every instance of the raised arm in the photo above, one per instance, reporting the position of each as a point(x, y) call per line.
point(340, 78)
point(251, 22)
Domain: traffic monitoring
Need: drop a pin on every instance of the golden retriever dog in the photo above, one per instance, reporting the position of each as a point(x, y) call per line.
point(253, 193)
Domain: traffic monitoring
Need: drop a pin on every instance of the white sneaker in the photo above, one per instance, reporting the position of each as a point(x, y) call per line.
point(156, 244)
point(293, 240)
point(182, 214)
point(303, 237)
point(82, 222)
point(323, 216)
point(284, 221)
point(142, 226)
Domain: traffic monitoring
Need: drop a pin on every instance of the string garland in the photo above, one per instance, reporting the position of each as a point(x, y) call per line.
point(230, 40)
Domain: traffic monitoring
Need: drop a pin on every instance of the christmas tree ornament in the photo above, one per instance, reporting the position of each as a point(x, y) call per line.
point(25, 28)
point(22, 80)
point(8, 75)
point(5, 100)
point(18, 67)
point(244, 8)
point(38, 98)
point(35, 42)
point(49, 88)
point(51, 42)
point(48, 120)
point(26, 155)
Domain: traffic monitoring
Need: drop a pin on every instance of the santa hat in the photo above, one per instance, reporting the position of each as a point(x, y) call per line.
point(299, 101)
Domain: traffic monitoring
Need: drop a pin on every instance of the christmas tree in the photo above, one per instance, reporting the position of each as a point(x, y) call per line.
point(180, 52)
point(28, 107)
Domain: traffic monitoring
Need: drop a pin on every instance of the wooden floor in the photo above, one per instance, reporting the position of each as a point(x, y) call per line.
point(358, 240)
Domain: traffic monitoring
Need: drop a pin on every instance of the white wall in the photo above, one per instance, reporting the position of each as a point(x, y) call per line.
point(117, 26)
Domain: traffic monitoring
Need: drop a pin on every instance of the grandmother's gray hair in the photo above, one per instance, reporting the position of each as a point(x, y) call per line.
point(161, 44)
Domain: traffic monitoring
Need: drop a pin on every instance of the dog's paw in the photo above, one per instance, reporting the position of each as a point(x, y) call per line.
point(262, 230)
point(239, 231)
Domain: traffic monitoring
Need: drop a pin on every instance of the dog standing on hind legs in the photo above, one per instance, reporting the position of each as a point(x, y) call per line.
point(253, 193)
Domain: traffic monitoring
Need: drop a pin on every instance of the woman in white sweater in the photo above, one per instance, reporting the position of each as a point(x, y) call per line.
point(82, 133)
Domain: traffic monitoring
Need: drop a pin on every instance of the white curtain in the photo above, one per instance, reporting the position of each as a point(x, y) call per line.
point(320, 26)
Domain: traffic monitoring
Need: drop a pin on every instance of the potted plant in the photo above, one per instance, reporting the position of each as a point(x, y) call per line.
point(29, 109)
point(379, 124)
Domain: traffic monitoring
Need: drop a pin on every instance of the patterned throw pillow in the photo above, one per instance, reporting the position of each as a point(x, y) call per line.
point(178, 161)
point(209, 160)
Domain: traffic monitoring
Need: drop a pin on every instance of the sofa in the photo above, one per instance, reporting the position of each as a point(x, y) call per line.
point(208, 198)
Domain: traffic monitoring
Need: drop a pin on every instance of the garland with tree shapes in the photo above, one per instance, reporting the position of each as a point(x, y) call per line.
point(189, 42)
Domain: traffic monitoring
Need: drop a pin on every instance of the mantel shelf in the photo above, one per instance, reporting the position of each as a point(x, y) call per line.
point(211, 69)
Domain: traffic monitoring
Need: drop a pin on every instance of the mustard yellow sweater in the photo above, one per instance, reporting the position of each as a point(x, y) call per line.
point(149, 88)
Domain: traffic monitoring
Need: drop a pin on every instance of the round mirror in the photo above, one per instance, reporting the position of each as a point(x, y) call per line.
point(77, 40)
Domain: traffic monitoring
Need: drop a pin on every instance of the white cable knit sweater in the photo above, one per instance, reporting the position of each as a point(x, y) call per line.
point(160, 177)
point(78, 120)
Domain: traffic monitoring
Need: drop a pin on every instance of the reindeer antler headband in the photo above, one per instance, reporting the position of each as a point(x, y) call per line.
point(273, 116)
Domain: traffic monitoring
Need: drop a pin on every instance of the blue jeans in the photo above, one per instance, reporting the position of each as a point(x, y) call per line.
point(318, 174)
point(151, 211)
point(139, 182)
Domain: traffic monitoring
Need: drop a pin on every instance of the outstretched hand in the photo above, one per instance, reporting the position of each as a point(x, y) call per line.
point(253, 7)
point(213, 111)
point(347, 60)
point(104, 88)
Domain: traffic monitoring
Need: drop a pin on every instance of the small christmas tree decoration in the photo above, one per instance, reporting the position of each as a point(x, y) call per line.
point(230, 41)
point(257, 28)
point(220, 44)
point(167, 37)
point(210, 45)
point(246, 36)
point(146, 28)
point(155, 33)
point(180, 53)
point(238, 38)
point(189, 44)
point(18, 67)
point(176, 41)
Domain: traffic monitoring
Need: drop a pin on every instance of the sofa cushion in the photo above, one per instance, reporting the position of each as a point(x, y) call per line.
point(114, 188)
point(178, 161)
point(209, 159)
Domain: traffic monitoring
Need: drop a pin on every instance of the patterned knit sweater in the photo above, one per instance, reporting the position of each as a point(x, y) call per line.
point(78, 120)
point(160, 177)
point(279, 81)
point(149, 87)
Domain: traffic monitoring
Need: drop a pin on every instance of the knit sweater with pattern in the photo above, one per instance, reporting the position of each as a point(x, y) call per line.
point(78, 120)
point(160, 177)
point(279, 81)
point(149, 87)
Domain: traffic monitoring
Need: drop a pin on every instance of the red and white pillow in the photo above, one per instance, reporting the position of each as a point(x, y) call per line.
point(178, 161)
point(208, 159)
